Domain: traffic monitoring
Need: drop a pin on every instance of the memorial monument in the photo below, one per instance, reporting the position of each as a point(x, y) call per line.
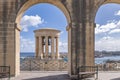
point(47, 40)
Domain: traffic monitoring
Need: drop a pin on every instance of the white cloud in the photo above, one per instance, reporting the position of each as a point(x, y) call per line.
point(114, 31)
point(61, 32)
point(109, 27)
point(63, 46)
point(117, 13)
point(30, 21)
point(108, 44)
point(27, 45)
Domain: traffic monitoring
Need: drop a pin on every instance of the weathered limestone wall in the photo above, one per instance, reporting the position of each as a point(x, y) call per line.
point(8, 35)
point(7, 42)
point(82, 35)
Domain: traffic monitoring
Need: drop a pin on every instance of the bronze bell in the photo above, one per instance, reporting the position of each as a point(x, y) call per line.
point(43, 41)
point(49, 42)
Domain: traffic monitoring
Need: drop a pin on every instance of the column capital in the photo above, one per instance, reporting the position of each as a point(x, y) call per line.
point(18, 27)
point(68, 26)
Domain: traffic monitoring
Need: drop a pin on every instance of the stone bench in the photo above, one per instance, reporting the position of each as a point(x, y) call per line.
point(87, 72)
point(5, 72)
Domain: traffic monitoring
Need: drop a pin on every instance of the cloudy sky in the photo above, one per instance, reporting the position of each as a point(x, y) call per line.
point(107, 29)
point(39, 16)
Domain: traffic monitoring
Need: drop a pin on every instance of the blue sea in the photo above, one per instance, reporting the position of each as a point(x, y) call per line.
point(103, 59)
point(97, 60)
point(26, 54)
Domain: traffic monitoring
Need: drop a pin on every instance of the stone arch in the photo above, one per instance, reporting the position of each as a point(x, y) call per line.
point(27, 4)
point(111, 1)
point(30, 3)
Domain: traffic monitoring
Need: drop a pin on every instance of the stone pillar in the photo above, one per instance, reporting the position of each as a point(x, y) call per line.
point(52, 47)
point(89, 57)
point(73, 50)
point(40, 47)
point(57, 52)
point(46, 47)
point(37, 46)
point(43, 53)
point(17, 49)
point(69, 49)
point(9, 47)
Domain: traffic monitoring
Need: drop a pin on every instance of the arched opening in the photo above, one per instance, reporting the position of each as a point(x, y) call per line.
point(107, 34)
point(29, 4)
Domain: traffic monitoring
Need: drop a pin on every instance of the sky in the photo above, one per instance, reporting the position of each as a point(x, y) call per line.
point(107, 29)
point(45, 15)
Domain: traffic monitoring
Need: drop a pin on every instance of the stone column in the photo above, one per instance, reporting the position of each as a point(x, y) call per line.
point(52, 48)
point(46, 47)
point(9, 46)
point(89, 48)
point(37, 46)
point(40, 47)
point(43, 53)
point(57, 51)
point(69, 48)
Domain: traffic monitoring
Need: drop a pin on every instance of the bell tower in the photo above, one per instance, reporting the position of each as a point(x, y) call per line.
point(47, 40)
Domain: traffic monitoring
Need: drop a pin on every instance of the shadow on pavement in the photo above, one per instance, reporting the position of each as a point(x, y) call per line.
point(55, 77)
point(116, 78)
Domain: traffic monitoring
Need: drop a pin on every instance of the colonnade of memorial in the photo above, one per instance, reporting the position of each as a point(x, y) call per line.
point(47, 41)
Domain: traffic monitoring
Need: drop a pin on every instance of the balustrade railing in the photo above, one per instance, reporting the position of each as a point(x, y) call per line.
point(36, 64)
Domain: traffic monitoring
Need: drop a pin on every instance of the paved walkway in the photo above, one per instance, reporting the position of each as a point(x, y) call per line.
point(39, 75)
point(62, 75)
point(109, 75)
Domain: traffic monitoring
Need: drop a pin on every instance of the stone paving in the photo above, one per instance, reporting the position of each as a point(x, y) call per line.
point(61, 75)
point(109, 75)
point(43, 75)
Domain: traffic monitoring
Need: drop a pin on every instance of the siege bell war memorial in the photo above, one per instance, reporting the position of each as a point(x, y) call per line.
point(80, 16)
point(44, 39)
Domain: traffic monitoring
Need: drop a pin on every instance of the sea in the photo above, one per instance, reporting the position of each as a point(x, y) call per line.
point(97, 60)
point(26, 54)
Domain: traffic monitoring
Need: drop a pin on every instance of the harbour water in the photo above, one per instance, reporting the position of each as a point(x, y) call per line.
point(26, 54)
point(103, 59)
point(97, 60)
